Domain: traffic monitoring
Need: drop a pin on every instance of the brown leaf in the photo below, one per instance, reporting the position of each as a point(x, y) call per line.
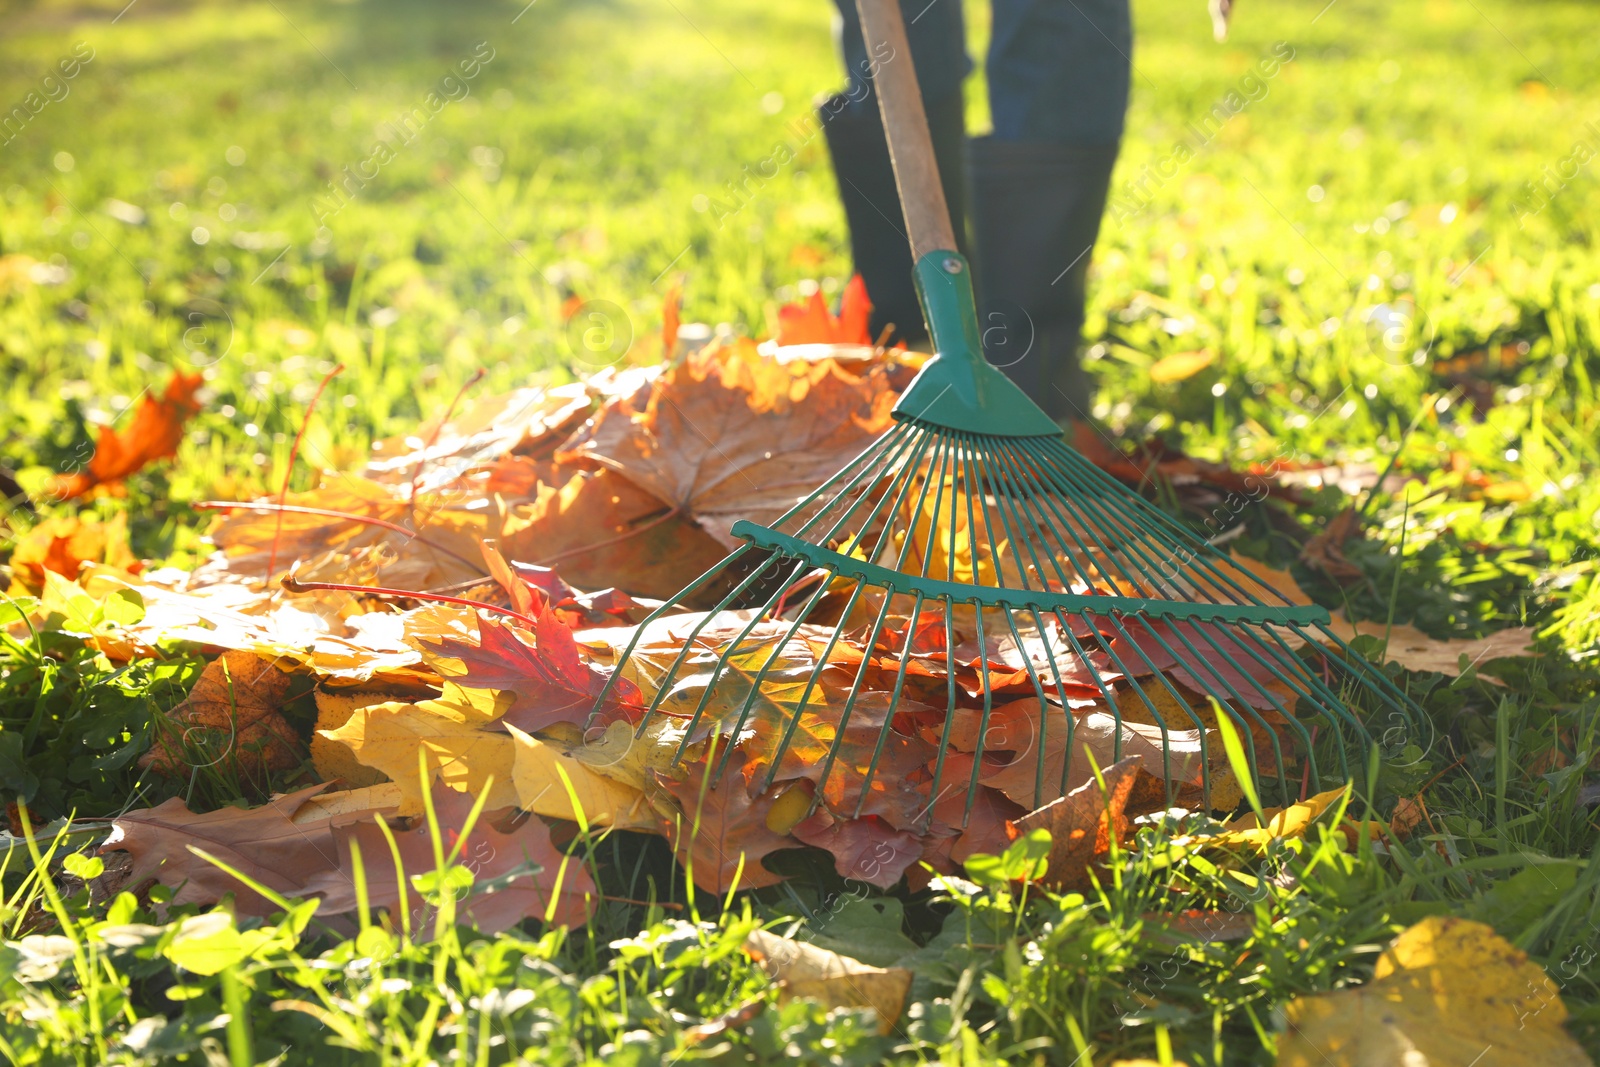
point(1416, 651)
point(1083, 824)
point(865, 850)
point(1325, 550)
point(1014, 739)
point(561, 892)
point(729, 434)
point(805, 970)
point(231, 718)
point(722, 825)
point(154, 433)
point(263, 843)
point(603, 530)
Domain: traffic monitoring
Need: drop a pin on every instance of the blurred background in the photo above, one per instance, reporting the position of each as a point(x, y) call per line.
point(1397, 230)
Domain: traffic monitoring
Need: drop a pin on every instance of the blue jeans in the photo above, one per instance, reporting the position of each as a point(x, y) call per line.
point(1058, 70)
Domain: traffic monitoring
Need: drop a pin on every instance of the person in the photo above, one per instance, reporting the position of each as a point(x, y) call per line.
point(1058, 74)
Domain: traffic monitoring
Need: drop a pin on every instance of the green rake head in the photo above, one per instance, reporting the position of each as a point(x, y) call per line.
point(971, 590)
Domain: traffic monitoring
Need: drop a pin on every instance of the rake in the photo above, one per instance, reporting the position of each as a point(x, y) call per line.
point(970, 540)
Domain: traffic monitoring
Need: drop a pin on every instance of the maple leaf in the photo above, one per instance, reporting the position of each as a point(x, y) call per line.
point(1012, 761)
point(552, 781)
point(231, 717)
point(457, 734)
point(264, 843)
point(781, 740)
point(811, 323)
point(547, 678)
point(1084, 824)
point(722, 826)
point(1325, 550)
point(154, 433)
point(1446, 990)
point(63, 545)
point(560, 891)
point(604, 530)
point(729, 434)
point(865, 850)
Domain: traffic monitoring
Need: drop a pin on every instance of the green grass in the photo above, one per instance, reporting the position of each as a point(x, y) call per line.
point(573, 166)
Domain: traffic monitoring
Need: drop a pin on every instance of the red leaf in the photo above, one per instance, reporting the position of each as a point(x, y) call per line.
point(548, 677)
point(866, 850)
point(721, 824)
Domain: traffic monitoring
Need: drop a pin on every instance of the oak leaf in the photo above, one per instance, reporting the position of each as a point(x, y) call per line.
point(154, 433)
point(1446, 990)
point(560, 891)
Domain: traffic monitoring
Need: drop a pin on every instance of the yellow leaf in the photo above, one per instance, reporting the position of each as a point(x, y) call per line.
point(1247, 830)
point(804, 970)
point(601, 800)
point(1447, 991)
point(1180, 365)
point(451, 731)
point(333, 759)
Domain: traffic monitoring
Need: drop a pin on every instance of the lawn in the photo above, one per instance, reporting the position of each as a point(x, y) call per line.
point(1386, 250)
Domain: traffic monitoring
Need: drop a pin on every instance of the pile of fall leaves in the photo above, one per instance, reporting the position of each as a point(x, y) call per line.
point(459, 607)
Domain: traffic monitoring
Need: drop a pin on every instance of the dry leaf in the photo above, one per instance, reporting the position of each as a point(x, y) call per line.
point(452, 732)
point(730, 435)
point(804, 970)
point(542, 673)
point(810, 323)
point(722, 827)
point(1084, 824)
point(1325, 550)
point(232, 719)
point(864, 850)
point(575, 789)
point(63, 545)
point(1094, 737)
point(1248, 830)
point(333, 759)
point(154, 433)
point(560, 892)
point(603, 530)
point(1180, 365)
point(1416, 651)
point(265, 843)
point(1446, 991)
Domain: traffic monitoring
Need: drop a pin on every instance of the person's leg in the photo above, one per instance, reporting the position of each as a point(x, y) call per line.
point(1058, 90)
point(860, 154)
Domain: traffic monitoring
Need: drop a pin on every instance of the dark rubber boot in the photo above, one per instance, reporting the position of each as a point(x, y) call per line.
point(1036, 210)
point(878, 242)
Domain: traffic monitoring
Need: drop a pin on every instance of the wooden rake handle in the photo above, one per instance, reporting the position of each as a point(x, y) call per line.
point(916, 172)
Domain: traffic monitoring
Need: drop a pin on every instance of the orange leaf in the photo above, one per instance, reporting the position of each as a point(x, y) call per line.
point(154, 433)
point(811, 323)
